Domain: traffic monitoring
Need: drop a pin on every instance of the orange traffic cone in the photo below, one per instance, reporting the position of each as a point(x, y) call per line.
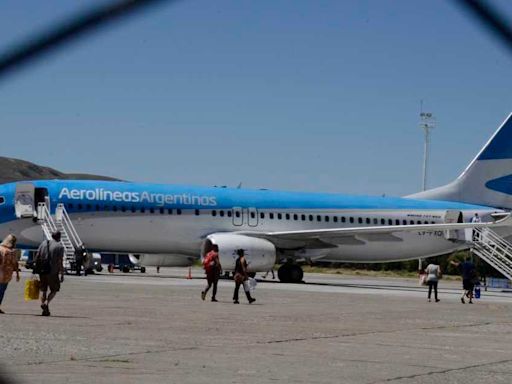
point(189, 276)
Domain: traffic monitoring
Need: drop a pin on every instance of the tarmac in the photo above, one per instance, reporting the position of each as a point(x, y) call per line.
point(154, 328)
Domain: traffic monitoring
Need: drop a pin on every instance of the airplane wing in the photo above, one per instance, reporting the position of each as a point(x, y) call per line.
point(372, 233)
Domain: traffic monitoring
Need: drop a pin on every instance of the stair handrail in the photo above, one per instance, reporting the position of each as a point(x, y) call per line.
point(47, 217)
point(69, 227)
point(495, 250)
point(496, 263)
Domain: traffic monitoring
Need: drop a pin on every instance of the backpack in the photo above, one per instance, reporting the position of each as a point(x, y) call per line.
point(209, 261)
point(42, 265)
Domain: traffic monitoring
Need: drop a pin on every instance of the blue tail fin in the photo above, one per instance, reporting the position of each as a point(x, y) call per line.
point(488, 178)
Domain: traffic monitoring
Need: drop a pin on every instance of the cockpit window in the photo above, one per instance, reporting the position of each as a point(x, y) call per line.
point(2, 200)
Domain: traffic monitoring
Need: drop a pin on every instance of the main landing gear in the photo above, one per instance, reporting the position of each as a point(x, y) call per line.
point(290, 273)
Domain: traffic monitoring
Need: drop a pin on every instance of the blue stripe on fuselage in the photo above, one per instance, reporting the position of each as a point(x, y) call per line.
point(177, 196)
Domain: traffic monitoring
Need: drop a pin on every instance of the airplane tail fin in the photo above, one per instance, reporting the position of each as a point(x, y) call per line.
point(487, 180)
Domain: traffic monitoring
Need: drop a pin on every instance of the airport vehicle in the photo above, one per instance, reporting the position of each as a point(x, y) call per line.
point(184, 221)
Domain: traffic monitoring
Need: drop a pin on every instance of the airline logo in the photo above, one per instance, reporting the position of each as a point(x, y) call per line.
point(160, 199)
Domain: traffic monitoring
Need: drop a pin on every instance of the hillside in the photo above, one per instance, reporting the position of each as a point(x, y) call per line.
point(18, 170)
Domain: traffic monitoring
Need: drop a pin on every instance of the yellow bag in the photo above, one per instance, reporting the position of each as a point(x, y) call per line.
point(31, 289)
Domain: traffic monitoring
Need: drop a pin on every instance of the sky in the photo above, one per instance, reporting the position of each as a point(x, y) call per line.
point(299, 95)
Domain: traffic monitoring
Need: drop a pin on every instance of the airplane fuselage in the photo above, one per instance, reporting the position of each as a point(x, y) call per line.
point(171, 219)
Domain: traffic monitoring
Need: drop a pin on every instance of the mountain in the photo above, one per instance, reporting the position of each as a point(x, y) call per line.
point(18, 170)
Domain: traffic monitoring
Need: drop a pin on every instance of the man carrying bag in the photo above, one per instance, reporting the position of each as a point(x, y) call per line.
point(48, 263)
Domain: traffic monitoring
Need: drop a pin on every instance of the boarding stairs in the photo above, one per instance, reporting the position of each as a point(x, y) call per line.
point(60, 222)
point(494, 249)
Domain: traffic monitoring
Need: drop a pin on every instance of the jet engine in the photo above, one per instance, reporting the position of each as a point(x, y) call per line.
point(259, 253)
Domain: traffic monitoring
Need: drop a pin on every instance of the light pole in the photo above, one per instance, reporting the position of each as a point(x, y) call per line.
point(427, 122)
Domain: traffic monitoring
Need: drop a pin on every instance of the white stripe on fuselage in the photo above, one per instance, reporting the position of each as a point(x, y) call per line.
point(183, 234)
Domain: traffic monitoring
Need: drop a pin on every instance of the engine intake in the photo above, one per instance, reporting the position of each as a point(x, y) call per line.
point(259, 253)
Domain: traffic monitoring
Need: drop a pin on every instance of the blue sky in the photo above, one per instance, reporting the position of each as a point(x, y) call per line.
point(295, 95)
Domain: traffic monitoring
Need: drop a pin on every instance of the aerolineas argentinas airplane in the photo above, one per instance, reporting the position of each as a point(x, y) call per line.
point(184, 222)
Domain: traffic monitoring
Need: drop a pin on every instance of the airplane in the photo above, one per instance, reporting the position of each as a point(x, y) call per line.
point(177, 222)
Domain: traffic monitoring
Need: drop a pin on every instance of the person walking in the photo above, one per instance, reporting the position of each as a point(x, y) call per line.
point(48, 263)
point(213, 269)
point(80, 256)
point(475, 219)
point(8, 265)
point(468, 272)
point(241, 277)
point(433, 272)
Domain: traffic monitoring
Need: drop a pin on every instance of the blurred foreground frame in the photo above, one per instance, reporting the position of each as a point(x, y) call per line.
point(69, 30)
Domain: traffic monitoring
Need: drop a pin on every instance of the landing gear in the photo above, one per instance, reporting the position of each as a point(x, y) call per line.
point(290, 273)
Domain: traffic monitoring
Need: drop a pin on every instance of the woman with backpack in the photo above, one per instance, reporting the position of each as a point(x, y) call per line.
point(8, 264)
point(213, 269)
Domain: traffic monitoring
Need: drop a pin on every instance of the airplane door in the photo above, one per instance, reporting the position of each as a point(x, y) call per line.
point(452, 216)
point(238, 216)
point(252, 217)
point(24, 205)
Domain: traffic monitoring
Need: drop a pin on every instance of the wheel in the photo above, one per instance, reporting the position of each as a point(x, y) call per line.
point(290, 273)
point(142, 269)
point(296, 274)
point(126, 269)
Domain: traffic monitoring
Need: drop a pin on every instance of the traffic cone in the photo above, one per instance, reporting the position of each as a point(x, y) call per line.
point(189, 276)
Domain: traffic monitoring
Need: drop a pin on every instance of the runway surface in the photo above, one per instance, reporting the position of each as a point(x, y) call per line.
point(154, 328)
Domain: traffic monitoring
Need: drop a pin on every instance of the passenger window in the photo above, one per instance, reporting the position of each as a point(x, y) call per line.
point(310, 217)
point(390, 222)
point(375, 221)
point(279, 216)
point(271, 215)
point(262, 215)
point(230, 213)
point(123, 209)
point(237, 214)
point(295, 217)
point(404, 222)
point(418, 222)
point(162, 211)
point(214, 213)
point(114, 208)
point(134, 209)
point(425, 222)
point(343, 219)
point(80, 206)
point(287, 216)
point(382, 221)
point(303, 217)
point(360, 220)
point(88, 207)
point(178, 211)
point(319, 218)
point(142, 210)
point(169, 211)
point(253, 215)
point(221, 213)
point(106, 208)
point(70, 206)
point(2, 200)
point(367, 220)
point(326, 219)
point(352, 220)
point(412, 222)
point(196, 212)
point(397, 222)
point(97, 207)
point(151, 210)
point(335, 219)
